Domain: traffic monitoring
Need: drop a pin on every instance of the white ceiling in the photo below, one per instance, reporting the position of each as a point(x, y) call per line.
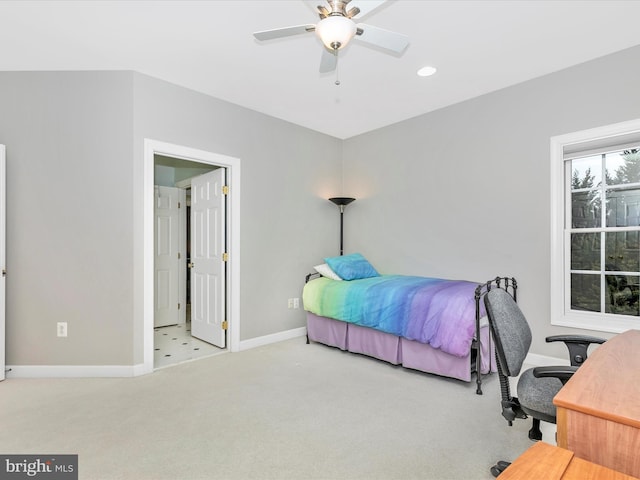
point(478, 47)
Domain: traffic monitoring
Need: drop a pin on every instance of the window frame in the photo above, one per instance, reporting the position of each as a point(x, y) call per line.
point(560, 299)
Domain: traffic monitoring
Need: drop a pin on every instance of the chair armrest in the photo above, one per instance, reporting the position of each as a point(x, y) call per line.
point(575, 339)
point(562, 373)
point(577, 345)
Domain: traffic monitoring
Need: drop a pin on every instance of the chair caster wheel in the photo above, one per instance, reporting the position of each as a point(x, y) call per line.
point(499, 467)
point(535, 435)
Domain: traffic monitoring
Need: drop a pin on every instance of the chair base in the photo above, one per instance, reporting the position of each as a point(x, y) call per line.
point(535, 433)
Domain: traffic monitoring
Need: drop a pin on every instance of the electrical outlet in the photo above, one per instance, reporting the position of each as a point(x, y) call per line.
point(296, 303)
point(62, 329)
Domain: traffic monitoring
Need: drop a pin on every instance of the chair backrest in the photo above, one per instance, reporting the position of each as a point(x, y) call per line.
point(510, 330)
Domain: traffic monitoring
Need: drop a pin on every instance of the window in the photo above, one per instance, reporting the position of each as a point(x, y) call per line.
point(595, 250)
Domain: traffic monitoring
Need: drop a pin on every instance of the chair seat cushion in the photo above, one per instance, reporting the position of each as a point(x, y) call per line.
point(536, 395)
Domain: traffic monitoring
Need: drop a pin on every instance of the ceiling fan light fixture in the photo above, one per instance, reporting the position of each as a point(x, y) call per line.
point(336, 31)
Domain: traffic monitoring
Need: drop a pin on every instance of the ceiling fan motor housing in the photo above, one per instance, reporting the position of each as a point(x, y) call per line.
point(338, 7)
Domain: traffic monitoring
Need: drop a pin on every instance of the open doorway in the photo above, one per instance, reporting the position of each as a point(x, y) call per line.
point(185, 328)
point(186, 162)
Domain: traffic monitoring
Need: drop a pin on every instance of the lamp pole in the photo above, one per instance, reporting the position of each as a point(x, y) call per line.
point(341, 202)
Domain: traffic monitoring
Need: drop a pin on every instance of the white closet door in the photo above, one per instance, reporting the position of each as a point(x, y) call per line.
point(3, 220)
point(208, 272)
point(170, 256)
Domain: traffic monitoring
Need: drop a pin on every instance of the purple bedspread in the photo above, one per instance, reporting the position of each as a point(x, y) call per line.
point(438, 312)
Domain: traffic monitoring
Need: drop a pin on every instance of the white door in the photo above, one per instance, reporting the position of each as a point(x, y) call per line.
point(170, 256)
point(3, 219)
point(208, 272)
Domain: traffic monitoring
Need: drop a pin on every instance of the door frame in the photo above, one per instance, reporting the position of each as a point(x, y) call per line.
point(232, 165)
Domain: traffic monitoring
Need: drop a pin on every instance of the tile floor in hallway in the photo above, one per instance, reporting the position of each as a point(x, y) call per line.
point(174, 344)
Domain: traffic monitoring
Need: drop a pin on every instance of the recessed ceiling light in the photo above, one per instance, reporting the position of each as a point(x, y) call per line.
point(426, 71)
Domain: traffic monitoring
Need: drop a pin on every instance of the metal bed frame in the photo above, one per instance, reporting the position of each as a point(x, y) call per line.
point(506, 283)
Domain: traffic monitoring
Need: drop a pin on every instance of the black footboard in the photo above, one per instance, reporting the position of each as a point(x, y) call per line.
point(506, 283)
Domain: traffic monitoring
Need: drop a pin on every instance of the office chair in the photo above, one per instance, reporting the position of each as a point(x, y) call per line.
point(536, 386)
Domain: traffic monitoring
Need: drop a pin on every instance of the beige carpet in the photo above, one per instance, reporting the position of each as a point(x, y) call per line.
point(283, 411)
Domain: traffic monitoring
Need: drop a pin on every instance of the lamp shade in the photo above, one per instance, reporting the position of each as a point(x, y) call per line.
point(342, 200)
point(336, 31)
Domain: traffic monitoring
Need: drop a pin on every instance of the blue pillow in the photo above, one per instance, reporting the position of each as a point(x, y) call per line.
point(351, 267)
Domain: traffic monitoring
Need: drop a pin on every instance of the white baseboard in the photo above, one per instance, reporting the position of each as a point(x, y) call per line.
point(273, 338)
point(106, 371)
point(73, 371)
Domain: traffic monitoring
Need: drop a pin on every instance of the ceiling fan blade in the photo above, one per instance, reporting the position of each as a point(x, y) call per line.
point(284, 32)
point(396, 42)
point(366, 6)
point(328, 61)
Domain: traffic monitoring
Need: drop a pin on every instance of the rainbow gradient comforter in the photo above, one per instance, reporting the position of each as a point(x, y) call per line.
point(438, 312)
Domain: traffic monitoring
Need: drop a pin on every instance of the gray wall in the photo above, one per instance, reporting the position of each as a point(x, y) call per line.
point(69, 217)
point(464, 192)
point(74, 160)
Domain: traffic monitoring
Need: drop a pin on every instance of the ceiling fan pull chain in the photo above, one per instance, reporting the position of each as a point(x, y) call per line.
point(337, 82)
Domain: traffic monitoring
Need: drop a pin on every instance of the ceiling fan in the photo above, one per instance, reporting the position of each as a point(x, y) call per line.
point(337, 27)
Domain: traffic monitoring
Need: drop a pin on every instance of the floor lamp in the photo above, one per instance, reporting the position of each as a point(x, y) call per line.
point(341, 202)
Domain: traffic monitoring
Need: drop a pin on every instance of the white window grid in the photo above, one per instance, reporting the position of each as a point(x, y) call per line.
point(561, 230)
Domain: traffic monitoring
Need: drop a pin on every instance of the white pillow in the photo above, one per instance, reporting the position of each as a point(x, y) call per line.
point(325, 271)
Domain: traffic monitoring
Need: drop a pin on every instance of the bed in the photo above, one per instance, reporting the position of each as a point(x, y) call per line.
point(428, 324)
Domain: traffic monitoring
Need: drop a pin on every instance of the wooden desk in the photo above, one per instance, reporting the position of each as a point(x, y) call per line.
point(543, 461)
point(598, 410)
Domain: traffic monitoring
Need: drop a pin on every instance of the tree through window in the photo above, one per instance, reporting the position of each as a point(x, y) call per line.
point(605, 242)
